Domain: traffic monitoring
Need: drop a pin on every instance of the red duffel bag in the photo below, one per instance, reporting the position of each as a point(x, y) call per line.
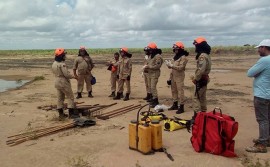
point(213, 132)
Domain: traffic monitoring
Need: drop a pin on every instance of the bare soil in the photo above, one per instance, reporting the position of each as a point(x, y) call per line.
point(106, 143)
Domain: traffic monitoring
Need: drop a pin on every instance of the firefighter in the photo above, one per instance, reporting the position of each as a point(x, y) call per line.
point(124, 74)
point(177, 76)
point(63, 85)
point(113, 64)
point(146, 75)
point(84, 65)
point(201, 78)
point(153, 67)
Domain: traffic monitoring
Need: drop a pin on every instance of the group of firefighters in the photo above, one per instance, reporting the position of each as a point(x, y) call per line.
point(121, 69)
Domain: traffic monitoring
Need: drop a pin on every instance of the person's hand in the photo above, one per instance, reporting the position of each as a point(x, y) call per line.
point(169, 64)
point(128, 77)
point(145, 66)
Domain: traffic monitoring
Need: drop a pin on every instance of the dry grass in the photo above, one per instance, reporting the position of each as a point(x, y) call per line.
point(248, 161)
point(78, 161)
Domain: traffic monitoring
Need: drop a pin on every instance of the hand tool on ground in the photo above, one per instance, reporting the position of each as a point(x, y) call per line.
point(168, 155)
point(118, 112)
point(20, 138)
point(113, 111)
point(90, 110)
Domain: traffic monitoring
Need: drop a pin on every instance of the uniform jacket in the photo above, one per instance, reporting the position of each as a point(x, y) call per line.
point(83, 65)
point(146, 62)
point(154, 65)
point(62, 75)
point(178, 69)
point(124, 68)
point(203, 66)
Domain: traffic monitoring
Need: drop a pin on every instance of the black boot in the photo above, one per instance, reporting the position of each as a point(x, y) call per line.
point(154, 103)
point(73, 113)
point(118, 96)
point(180, 109)
point(90, 94)
point(79, 95)
point(121, 95)
point(150, 98)
point(147, 96)
point(62, 115)
point(174, 106)
point(112, 95)
point(126, 97)
point(85, 113)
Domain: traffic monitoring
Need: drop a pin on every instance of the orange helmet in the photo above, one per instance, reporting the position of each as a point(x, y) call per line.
point(199, 40)
point(124, 49)
point(59, 51)
point(152, 45)
point(178, 45)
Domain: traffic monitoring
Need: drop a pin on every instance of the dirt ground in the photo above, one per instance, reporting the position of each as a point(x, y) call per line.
point(106, 143)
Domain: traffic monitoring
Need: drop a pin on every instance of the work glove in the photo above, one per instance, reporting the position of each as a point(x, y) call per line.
point(166, 62)
point(169, 63)
point(128, 77)
point(145, 66)
point(117, 76)
point(146, 57)
point(169, 82)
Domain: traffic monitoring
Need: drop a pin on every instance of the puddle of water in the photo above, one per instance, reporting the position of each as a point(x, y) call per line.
point(5, 85)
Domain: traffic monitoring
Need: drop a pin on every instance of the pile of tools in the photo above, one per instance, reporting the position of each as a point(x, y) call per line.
point(96, 110)
point(35, 134)
point(91, 110)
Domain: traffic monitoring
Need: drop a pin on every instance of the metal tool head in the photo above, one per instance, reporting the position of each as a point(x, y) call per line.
point(84, 122)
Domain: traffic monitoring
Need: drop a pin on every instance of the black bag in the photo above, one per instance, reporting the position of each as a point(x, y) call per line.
point(110, 67)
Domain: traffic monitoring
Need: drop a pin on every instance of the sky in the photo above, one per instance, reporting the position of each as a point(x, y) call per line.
point(49, 24)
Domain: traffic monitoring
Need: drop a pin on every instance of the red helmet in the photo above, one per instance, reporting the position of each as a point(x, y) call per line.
point(178, 45)
point(59, 51)
point(199, 40)
point(152, 45)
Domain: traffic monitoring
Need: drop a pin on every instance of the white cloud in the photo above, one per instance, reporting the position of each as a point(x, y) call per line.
point(107, 23)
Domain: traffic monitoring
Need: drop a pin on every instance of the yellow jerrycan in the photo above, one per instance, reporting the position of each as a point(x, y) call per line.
point(144, 136)
point(132, 134)
point(156, 135)
point(140, 135)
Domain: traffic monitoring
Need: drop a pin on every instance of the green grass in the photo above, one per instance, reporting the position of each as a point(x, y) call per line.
point(100, 51)
point(38, 78)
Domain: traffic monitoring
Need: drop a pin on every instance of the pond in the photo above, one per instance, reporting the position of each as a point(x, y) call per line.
point(7, 84)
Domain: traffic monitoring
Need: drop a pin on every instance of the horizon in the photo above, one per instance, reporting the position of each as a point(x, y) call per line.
point(114, 24)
